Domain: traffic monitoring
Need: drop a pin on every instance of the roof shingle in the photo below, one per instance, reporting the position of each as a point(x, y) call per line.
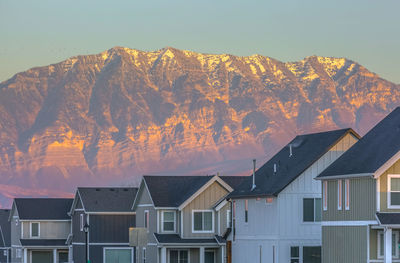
point(43, 208)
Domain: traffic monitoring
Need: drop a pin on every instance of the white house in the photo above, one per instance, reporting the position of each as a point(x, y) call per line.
point(277, 215)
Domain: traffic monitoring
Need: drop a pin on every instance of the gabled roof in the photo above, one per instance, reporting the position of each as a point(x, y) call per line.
point(107, 199)
point(371, 152)
point(5, 228)
point(306, 150)
point(174, 191)
point(388, 219)
point(43, 208)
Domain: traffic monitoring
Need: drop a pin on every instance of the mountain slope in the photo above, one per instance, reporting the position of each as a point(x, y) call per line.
point(104, 118)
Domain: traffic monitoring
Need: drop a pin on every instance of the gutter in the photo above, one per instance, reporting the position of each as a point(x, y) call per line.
point(344, 176)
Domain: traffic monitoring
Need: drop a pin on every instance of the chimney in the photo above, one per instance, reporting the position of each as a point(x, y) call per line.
point(290, 150)
point(254, 175)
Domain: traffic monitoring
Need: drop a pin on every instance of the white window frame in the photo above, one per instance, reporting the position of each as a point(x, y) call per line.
point(82, 221)
point(179, 250)
point(290, 253)
point(228, 218)
point(18, 252)
point(212, 223)
point(144, 255)
point(347, 194)
point(162, 220)
point(325, 196)
point(302, 208)
point(389, 204)
point(146, 219)
point(119, 248)
point(380, 232)
point(339, 194)
point(30, 230)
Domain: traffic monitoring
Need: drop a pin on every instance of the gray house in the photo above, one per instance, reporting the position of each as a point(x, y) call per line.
point(187, 218)
point(5, 236)
point(39, 230)
point(108, 213)
point(361, 199)
point(278, 217)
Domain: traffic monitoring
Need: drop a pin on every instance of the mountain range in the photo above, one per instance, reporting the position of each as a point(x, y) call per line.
point(108, 118)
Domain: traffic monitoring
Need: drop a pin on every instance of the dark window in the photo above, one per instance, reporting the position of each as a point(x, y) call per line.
point(312, 210)
point(34, 229)
point(178, 256)
point(294, 255)
point(311, 254)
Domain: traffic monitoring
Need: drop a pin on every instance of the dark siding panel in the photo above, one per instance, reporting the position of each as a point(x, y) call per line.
point(110, 228)
point(78, 235)
point(78, 254)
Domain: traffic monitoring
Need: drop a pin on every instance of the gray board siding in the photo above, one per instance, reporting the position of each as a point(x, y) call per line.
point(344, 244)
point(362, 201)
point(110, 228)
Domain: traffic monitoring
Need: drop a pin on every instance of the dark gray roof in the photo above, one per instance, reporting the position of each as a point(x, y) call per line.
point(233, 181)
point(388, 218)
point(306, 150)
point(107, 199)
point(43, 242)
point(172, 191)
point(43, 208)
point(372, 151)
point(176, 239)
point(220, 239)
point(5, 228)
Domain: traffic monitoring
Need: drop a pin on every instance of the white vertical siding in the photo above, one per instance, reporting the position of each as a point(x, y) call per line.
point(280, 224)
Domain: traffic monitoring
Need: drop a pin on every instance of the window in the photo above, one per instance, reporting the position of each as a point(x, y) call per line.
point(394, 191)
point(294, 255)
point(209, 256)
point(178, 256)
point(228, 218)
point(339, 195)
point(246, 211)
point(325, 196)
point(168, 219)
point(35, 229)
point(82, 223)
point(146, 219)
point(381, 244)
point(144, 255)
point(312, 254)
point(18, 253)
point(203, 221)
point(347, 194)
point(118, 255)
point(312, 210)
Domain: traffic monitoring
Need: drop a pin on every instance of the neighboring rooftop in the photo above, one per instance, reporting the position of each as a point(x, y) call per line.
point(172, 191)
point(371, 152)
point(43, 208)
point(306, 150)
point(107, 199)
point(5, 228)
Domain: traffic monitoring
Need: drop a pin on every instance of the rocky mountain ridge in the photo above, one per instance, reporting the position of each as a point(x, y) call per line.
point(110, 117)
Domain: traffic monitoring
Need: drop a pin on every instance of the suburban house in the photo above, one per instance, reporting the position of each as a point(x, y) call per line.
point(39, 230)
point(107, 212)
point(277, 212)
point(187, 218)
point(5, 236)
point(361, 198)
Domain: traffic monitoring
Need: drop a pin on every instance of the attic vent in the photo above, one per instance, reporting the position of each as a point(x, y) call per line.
point(126, 190)
point(97, 189)
point(112, 189)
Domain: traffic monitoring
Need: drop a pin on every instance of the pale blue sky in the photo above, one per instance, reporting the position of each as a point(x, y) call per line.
point(41, 32)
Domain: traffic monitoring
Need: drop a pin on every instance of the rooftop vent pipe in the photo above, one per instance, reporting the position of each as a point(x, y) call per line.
point(254, 175)
point(274, 168)
point(290, 150)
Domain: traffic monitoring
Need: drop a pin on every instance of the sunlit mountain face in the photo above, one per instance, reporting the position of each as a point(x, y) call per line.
point(111, 117)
